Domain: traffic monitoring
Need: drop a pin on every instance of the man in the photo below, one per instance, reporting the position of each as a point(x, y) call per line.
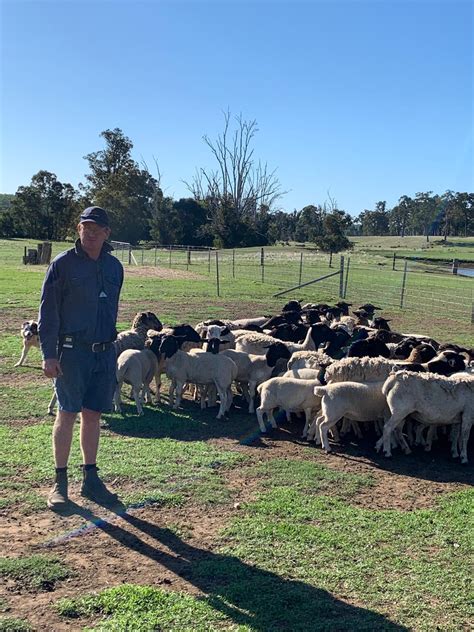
point(76, 325)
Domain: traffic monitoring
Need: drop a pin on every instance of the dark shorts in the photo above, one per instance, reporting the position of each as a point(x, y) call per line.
point(88, 380)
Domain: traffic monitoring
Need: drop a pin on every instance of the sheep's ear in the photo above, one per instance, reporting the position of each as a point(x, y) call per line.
point(225, 331)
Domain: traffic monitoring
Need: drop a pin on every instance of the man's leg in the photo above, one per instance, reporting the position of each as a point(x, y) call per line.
point(90, 431)
point(92, 486)
point(62, 439)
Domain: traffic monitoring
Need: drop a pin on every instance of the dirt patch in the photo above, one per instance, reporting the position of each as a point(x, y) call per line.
point(162, 273)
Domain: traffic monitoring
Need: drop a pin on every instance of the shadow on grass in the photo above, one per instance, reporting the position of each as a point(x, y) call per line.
point(246, 594)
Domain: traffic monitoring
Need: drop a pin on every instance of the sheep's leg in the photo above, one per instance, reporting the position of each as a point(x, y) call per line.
point(223, 402)
point(179, 394)
point(137, 398)
point(52, 403)
point(419, 439)
point(346, 426)
point(356, 429)
point(307, 414)
point(395, 420)
point(324, 425)
point(335, 433)
point(271, 418)
point(402, 442)
point(230, 398)
point(261, 422)
point(454, 436)
point(118, 398)
point(430, 435)
point(466, 424)
point(157, 387)
point(313, 432)
point(252, 389)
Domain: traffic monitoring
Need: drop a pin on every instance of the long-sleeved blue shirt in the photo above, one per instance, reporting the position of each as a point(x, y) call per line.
point(80, 298)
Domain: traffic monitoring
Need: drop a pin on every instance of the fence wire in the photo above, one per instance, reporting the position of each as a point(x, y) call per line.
point(421, 292)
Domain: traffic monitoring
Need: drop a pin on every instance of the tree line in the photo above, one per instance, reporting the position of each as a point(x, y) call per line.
point(233, 205)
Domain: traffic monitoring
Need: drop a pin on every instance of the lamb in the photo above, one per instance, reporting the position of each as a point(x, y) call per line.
point(219, 338)
point(135, 337)
point(430, 399)
point(352, 400)
point(188, 339)
point(198, 368)
point(359, 370)
point(252, 371)
point(137, 368)
point(288, 393)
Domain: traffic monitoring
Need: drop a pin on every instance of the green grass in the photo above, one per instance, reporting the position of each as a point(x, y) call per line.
point(11, 624)
point(156, 458)
point(38, 572)
point(143, 608)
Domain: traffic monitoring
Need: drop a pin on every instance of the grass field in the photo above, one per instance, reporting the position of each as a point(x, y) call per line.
point(221, 528)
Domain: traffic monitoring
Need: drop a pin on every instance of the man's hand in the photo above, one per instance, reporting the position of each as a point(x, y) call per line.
point(52, 368)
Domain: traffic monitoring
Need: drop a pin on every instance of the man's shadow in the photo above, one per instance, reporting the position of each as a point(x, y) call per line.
point(246, 594)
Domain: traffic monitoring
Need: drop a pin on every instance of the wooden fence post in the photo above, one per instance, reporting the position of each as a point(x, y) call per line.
point(455, 266)
point(130, 255)
point(142, 254)
point(217, 273)
point(170, 257)
point(301, 268)
point(155, 256)
point(402, 295)
point(262, 264)
point(341, 278)
point(209, 261)
point(394, 259)
point(233, 263)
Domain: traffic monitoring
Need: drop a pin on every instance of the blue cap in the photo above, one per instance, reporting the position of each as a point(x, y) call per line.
point(95, 214)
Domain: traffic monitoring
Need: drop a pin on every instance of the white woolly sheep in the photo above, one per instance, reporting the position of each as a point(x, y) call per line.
point(351, 400)
point(198, 368)
point(290, 394)
point(136, 368)
point(431, 399)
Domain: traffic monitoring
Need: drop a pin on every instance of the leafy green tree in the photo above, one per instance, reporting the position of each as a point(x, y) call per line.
point(334, 238)
point(117, 183)
point(45, 209)
point(375, 222)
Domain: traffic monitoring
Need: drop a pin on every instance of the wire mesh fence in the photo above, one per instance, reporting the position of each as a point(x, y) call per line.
point(421, 292)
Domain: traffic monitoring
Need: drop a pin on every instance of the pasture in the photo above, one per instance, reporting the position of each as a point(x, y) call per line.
point(222, 528)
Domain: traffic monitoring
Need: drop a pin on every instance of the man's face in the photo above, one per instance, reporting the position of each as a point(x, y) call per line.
point(92, 235)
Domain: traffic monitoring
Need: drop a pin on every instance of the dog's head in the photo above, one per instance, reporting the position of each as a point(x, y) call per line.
point(29, 329)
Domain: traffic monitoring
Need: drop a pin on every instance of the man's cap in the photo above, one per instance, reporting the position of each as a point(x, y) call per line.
point(95, 214)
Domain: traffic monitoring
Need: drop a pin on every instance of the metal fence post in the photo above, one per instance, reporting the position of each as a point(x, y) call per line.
point(402, 295)
point(347, 276)
point(142, 255)
point(233, 263)
point(330, 259)
point(301, 268)
point(217, 273)
point(341, 278)
point(155, 255)
point(170, 257)
point(188, 259)
point(394, 259)
point(209, 261)
point(262, 264)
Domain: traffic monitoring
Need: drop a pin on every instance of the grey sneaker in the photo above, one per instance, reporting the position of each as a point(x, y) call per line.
point(57, 497)
point(94, 489)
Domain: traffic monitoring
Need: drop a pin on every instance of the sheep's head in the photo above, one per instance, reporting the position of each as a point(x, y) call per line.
point(170, 345)
point(275, 351)
point(187, 332)
point(149, 319)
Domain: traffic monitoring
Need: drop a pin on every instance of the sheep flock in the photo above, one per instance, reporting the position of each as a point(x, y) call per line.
point(346, 372)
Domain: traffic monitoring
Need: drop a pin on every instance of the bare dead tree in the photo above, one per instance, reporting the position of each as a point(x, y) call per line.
point(238, 181)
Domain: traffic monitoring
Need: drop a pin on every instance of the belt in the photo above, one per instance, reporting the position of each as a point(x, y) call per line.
point(95, 347)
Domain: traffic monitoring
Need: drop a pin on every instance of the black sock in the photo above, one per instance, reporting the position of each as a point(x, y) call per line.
point(89, 466)
point(61, 469)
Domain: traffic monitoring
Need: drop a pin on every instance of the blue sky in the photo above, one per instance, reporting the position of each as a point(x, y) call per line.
point(365, 101)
